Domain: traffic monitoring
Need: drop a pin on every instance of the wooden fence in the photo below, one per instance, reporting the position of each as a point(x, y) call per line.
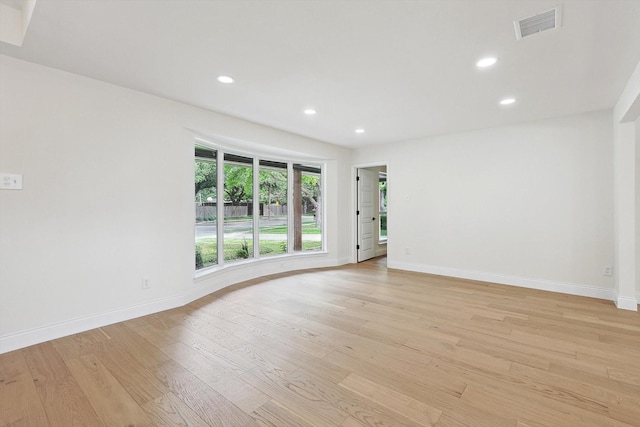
point(208, 211)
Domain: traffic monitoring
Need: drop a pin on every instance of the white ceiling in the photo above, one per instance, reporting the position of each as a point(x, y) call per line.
point(15, 4)
point(399, 69)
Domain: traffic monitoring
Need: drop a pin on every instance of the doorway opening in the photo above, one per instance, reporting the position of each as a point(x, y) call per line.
point(371, 212)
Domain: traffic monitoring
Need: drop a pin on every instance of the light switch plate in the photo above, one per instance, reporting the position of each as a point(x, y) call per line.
point(10, 181)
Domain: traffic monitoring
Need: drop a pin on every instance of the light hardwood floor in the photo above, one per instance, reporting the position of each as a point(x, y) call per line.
point(352, 346)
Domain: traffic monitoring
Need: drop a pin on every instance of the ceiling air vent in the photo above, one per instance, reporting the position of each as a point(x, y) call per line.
point(536, 24)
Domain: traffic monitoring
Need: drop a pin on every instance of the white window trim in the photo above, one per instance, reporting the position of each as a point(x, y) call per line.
point(381, 240)
point(257, 156)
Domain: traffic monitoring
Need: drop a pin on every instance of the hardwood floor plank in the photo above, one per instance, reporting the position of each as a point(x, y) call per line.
point(110, 400)
point(153, 335)
point(446, 421)
point(133, 376)
point(583, 396)
point(252, 329)
point(19, 400)
point(352, 422)
point(273, 414)
point(528, 423)
point(309, 407)
point(168, 410)
point(240, 393)
point(504, 350)
point(64, 402)
point(413, 409)
point(223, 357)
point(589, 376)
point(140, 349)
point(620, 403)
point(440, 390)
point(208, 404)
point(194, 362)
point(318, 323)
point(205, 325)
point(488, 389)
point(79, 344)
point(629, 376)
point(221, 374)
point(394, 376)
point(365, 410)
point(545, 413)
point(584, 336)
point(447, 351)
point(303, 387)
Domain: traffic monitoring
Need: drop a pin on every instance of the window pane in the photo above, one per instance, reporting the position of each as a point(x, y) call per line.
point(238, 208)
point(273, 208)
point(307, 199)
point(383, 226)
point(382, 183)
point(206, 248)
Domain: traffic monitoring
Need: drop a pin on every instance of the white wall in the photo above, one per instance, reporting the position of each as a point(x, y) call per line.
point(527, 205)
point(637, 209)
point(108, 200)
point(626, 114)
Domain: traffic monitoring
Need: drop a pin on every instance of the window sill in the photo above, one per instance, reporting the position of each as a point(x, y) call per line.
point(206, 272)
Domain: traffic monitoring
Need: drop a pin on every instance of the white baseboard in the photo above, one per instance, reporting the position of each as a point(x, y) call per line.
point(544, 285)
point(380, 251)
point(33, 336)
point(205, 285)
point(233, 274)
point(626, 303)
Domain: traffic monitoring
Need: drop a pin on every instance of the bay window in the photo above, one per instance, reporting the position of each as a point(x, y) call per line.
point(251, 207)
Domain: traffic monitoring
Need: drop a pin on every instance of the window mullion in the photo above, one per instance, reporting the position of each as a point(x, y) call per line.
point(290, 209)
point(256, 208)
point(220, 208)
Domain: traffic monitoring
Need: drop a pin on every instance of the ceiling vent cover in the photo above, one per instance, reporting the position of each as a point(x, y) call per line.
point(543, 21)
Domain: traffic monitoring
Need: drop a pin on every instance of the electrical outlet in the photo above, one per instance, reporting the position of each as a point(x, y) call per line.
point(145, 283)
point(407, 251)
point(10, 181)
point(607, 270)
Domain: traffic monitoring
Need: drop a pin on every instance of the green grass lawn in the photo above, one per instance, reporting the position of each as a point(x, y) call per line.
point(233, 249)
point(237, 218)
point(307, 228)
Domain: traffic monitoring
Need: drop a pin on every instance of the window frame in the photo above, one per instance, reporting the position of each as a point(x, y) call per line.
point(257, 157)
point(202, 154)
point(274, 166)
point(241, 160)
point(382, 176)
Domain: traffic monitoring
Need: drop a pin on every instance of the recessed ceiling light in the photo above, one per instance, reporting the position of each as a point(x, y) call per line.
point(486, 62)
point(360, 130)
point(507, 101)
point(225, 79)
point(309, 111)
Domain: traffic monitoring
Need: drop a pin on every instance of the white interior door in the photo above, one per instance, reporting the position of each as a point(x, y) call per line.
point(367, 190)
